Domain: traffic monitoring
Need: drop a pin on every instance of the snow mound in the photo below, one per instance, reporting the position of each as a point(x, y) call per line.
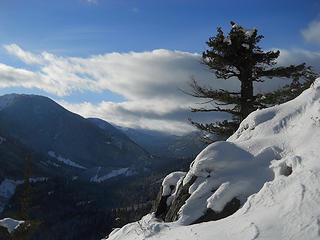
point(10, 224)
point(271, 164)
point(224, 171)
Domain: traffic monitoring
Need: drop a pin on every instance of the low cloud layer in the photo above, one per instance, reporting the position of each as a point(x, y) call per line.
point(149, 81)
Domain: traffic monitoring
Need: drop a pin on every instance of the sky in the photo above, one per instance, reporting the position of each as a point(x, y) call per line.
point(126, 61)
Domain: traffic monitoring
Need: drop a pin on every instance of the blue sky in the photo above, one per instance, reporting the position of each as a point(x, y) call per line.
point(82, 28)
point(101, 58)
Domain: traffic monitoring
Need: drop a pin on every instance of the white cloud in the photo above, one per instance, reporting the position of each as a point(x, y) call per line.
point(16, 77)
point(312, 32)
point(148, 80)
point(27, 57)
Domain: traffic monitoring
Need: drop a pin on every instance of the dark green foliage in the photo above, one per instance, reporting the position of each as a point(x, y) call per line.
point(80, 209)
point(239, 56)
point(286, 93)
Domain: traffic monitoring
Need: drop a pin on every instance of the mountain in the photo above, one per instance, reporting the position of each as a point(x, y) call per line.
point(164, 144)
point(47, 128)
point(82, 171)
point(262, 183)
point(80, 168)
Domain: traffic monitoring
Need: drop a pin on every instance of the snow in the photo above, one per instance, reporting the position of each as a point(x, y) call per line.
point(38, 179)
point(248, 32)
point(171, 180)
point(10, 224)
point(271, 164)
point(65, 160)
point(227, 40)
point(8, 187)
point(245, 45)
point(113, 173)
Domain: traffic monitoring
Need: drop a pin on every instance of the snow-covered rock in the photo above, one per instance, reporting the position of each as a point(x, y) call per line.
point(271, 165)
point(171, 184)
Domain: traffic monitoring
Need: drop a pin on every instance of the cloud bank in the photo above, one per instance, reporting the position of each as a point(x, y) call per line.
point(149, 81)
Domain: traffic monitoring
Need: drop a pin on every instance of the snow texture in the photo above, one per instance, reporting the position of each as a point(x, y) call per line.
point(10, 224)
point(271, 164)
point(65, 160)
point(247, 32)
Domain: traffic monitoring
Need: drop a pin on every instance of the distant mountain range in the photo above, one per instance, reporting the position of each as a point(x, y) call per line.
point(92, 148)
point(166, 145)
point(83, 167)
point(62, 138)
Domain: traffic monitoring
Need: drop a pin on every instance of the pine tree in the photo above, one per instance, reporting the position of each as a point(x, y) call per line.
point(26, 229)
point(239, 56)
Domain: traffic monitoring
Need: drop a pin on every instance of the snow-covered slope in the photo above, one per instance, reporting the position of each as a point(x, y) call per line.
point(10, 224)
point(271, 164)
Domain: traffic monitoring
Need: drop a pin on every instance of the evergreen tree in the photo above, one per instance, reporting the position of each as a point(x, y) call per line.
point(239, 56)
point(26, 229)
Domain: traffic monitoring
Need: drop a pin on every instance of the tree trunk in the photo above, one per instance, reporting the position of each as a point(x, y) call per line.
point(246, 101)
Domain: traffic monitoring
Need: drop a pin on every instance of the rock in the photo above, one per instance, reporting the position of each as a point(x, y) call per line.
point(181, 197)
point(170, 213)
point(160, 207)
point(210, 215)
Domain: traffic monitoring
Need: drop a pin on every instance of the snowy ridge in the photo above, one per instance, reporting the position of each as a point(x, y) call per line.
point(271, 164)
point(64, 160)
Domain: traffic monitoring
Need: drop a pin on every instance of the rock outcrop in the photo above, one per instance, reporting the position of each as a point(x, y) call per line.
point(170, 213)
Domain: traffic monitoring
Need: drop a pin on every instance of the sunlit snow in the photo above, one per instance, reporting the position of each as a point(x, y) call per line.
point(271, 163)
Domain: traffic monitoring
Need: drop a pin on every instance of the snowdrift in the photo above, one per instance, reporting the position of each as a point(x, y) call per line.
point(271, 165)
